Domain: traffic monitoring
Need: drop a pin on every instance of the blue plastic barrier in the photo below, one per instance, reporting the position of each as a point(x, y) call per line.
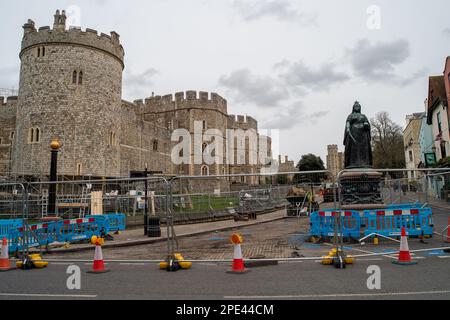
point(80, 229)
point(73, 230)
point(389, 222)
point(323, 224)
point(112, 222)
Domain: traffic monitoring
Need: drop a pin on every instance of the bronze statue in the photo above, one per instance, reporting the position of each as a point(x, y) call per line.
point(357, 141)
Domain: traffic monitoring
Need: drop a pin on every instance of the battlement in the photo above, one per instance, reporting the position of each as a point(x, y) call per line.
point(8, 100)
point(242, 122)
point(188, 99)
point(60, 35)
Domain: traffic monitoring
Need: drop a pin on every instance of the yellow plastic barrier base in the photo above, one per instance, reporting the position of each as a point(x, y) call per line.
point(37, 261)
point(179, 259)
point(331, 257)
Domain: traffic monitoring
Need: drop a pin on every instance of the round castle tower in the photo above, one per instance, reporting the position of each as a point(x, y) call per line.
point(70, 89)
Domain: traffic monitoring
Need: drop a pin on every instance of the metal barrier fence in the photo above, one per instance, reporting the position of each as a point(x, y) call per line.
point(187, 199)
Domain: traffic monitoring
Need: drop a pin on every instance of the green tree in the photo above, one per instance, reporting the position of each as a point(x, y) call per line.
point(387, 143)
point(310, 162)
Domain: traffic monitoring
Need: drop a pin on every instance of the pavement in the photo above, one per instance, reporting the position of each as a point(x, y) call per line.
point(136, 237)
point(429, 279)
point(303, 280)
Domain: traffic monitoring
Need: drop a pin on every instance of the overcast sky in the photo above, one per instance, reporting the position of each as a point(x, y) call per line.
point(297, 66)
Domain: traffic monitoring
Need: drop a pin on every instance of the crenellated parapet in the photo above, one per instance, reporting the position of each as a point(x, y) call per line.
point(5, 101)
point(242, 122)
point(74, 36)
point(185, 100)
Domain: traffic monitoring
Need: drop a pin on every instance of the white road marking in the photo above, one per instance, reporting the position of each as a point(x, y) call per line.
point(338, 295)
point(37, 295)
point(444, 257)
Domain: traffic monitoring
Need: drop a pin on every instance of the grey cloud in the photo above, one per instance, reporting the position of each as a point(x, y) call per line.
point(291, 116)
point(299, 75)
point(138, 85)
point(279, 9)
point(9, 77)
point(247, 87)
point(377, 62)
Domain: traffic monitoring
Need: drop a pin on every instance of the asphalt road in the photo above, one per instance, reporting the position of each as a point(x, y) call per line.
point(429, 279)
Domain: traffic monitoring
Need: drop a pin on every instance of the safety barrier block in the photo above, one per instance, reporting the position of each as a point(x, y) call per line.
point(323, 223)
point(389, 222)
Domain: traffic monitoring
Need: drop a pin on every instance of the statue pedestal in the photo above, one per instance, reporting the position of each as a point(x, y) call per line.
point(361, 188)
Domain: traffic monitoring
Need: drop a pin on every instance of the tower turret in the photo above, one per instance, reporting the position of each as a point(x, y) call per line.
point(60, 21)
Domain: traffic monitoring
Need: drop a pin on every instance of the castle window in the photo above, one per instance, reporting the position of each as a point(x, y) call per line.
point(43, 51)
point(113, 139)
point(37, 135)
point(155, 145)
point(38, 52)
point(74, 77)
point(205, 171)
point(80, 78)
point(204, 125)
point(11, 136)
point(79, 169)
point(34, 135)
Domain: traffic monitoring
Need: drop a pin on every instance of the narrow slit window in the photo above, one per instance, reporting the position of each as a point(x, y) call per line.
point(80, 78)
point(74, 77)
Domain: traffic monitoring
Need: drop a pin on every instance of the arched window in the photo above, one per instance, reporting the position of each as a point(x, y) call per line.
point(155, 145)
point(205, 171)
point(34, 135)
point(80, 78)
point(31, 135)
point(74, 77)
point(79, 169)
point(37, 135)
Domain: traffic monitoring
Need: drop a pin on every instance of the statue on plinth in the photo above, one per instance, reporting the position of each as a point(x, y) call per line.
point(360, 187)
point(357, 140)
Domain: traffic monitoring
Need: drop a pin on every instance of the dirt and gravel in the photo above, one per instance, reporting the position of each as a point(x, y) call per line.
point(279, 239)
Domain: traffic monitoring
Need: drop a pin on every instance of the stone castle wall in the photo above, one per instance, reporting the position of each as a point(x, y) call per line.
point(82, 115)
point(101, 135)
point(8, 109)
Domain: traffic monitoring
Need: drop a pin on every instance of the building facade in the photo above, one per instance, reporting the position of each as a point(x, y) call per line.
point(438, 116)
point(335, 160)
point(71, 89)
point(411, 140)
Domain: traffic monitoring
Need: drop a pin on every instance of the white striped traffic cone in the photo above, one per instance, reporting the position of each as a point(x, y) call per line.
point(238, 260)
point(5, 264)
point(99, 265)
point(404, 258)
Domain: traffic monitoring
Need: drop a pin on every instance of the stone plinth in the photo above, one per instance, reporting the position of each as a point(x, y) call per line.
point(361, 188)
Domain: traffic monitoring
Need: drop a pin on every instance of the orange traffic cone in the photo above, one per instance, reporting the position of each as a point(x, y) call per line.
point(404, 258)
point(99, 265)
point(238, 261)
point(5, 264)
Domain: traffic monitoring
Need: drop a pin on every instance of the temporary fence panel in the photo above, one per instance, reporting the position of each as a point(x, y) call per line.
point(81, 229)
point(323, 223)
point(389, 223)
point(112, 222)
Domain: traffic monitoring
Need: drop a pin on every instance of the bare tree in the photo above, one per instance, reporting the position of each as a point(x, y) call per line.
point(387, 142)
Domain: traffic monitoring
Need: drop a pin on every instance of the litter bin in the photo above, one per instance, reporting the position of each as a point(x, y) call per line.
point(154, 227)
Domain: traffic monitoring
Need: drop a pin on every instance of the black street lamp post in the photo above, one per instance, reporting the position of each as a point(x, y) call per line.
point(55, 145)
